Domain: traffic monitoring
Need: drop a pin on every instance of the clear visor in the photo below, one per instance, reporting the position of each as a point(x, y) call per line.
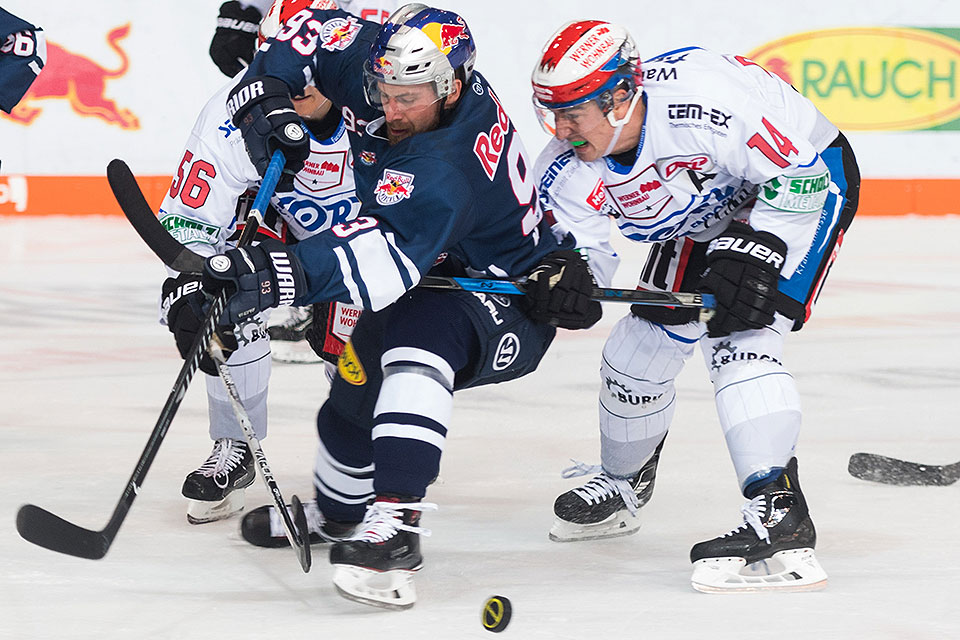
point(576, 120)
point(398, 97)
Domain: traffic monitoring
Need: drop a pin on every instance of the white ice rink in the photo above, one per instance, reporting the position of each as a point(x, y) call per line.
point(86, 369)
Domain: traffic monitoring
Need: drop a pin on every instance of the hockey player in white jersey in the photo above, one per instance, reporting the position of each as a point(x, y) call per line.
point(204, 209)
point(745, 190)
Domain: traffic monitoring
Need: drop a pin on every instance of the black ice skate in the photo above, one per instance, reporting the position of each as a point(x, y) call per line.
point(215, 489)
point(604, 507)
point(771, 550)
point(375, 566)
point(288, 339)
point(263, 526)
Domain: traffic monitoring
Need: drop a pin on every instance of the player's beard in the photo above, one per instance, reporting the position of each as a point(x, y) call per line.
point(411, 129)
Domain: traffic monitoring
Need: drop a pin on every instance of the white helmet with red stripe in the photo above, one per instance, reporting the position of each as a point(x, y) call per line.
point(585, 60)
point(283, 10)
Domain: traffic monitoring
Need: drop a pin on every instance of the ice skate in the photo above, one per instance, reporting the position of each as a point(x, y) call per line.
point(263, 526)
point(376, 565)
point(604, 507)
point(288, 339)
point(215, 489)
point(771, 551)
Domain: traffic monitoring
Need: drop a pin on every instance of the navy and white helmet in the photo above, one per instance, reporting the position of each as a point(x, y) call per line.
point(416, 45)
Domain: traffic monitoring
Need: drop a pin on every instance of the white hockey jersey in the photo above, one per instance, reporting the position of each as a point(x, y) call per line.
point(215, 171)
point(719, 131)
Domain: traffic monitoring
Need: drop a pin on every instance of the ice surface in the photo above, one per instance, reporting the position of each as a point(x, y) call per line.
point(86, 369)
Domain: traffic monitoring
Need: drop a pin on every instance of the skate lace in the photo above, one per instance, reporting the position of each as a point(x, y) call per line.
point(603, 486)
point(753, 511)
point(383, 519)
point(315, 519)
point(224, 458)
point(298, 316)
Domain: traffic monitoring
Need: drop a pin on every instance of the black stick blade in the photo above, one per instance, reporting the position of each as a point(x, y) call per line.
point(131, 200)
point(50, 531)
point(877, 468)
point(302, 534)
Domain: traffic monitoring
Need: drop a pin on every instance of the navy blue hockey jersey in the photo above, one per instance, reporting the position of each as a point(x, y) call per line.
point(23, 52)
point(465, 189)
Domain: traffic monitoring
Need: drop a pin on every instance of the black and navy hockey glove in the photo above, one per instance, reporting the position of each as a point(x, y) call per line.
point(263, 111)
point(743, 268)
point(235, 40)
point(256, 278)
point(184, 308)
point(558, 292)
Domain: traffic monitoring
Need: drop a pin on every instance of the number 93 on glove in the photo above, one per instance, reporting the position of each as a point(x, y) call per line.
point(255, 278)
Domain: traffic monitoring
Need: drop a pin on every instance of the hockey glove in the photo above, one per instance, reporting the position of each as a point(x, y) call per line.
point(255, 278)
point(558, 292)
point(183, 309)
point(743, 267)
point(263, 111)
point(235, 40)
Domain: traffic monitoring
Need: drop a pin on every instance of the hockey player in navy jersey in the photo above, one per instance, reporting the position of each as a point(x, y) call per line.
point(746, 191)
point(235, 38)
point(234, 42)
point(23, 52)
point(445, 185)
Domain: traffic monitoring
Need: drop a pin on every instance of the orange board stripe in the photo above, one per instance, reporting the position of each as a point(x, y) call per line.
point(91, 195)
point(70, 195)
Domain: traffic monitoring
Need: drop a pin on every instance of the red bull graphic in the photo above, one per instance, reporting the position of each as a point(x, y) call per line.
point(382, 66)
point(82, 82)
point(369, 158)
point(337, 34)
point(451, 34)
point(393, 187)
point(446, 35)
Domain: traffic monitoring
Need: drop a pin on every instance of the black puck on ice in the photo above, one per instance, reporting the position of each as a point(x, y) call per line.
point(496, 613)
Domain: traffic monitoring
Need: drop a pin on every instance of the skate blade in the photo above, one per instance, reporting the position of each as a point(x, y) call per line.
point(385, 589)
point(202, 511)
point(792, 570)
point(621, 523)
point(293, 352)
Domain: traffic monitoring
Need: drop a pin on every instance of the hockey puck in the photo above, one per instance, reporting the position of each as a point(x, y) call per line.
point(496, 613)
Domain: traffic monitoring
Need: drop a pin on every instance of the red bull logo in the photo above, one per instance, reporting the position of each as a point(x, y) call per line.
point(446, 35)
point(337, 34)
point(393, 187)
point(382, 66)
point(80, 81)
point(451, 34)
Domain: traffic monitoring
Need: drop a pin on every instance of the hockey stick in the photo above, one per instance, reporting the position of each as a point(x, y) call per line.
point(877, 468)
point(180, 258)
point(48, 530)
point(295, 528)
point(703, 301)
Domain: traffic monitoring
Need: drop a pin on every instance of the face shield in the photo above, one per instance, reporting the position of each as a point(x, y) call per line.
point(406, 98)
point(583, 117)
